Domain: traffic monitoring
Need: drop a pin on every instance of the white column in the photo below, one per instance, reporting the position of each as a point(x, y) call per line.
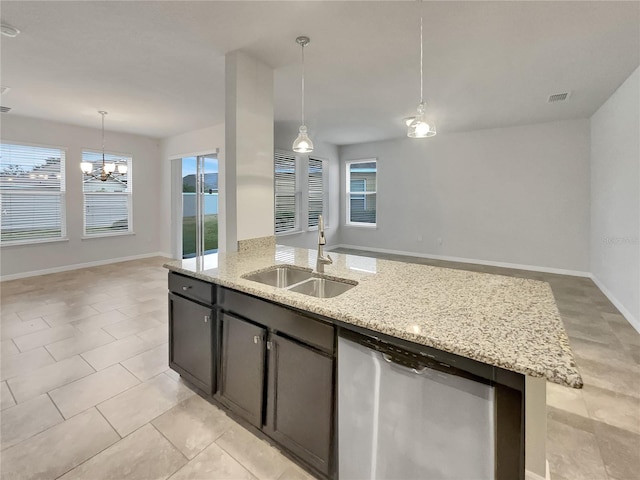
point(248, 170)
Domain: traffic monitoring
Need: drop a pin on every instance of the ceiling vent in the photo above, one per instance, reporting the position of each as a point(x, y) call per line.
point(5, 109)
point(558, 97)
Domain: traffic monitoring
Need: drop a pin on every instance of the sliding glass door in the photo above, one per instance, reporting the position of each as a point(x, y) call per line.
point(199, 205)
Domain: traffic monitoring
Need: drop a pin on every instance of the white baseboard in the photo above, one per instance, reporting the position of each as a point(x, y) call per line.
point(635, 323)
point(532, 268)
point(76, 266)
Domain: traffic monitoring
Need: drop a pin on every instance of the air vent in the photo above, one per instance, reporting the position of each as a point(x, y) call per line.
point(558, 97)
point(5, 109)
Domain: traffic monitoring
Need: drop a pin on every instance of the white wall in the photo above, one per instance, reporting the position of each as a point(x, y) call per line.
point(19, 260)
point(615, 198)
point(198, 142)
point(285, 134)
point(516, 195)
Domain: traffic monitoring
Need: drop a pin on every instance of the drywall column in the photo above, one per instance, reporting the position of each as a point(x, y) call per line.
point(248, 170)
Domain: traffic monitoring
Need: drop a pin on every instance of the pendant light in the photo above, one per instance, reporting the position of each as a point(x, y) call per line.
point(108, 170)
point(418, 127)
point(303, 143)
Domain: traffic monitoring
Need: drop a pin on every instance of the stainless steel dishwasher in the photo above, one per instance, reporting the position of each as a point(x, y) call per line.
point(405, 416)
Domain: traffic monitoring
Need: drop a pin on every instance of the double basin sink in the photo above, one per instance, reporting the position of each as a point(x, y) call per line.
point(302, 281)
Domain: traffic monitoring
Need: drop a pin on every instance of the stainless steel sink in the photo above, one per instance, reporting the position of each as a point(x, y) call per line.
point(322, 287)
point(281, 276)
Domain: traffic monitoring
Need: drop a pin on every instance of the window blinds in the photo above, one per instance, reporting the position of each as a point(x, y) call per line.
point(286, 204)
point(107, 205)
point(32, 189)
point(315, 191)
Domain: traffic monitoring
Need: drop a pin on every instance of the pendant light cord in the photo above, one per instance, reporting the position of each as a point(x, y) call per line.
point(102, 113)
point(421, 56)
point(302, 115)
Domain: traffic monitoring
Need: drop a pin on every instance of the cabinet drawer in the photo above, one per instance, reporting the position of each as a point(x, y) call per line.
point(291, 323)
point(192, 288)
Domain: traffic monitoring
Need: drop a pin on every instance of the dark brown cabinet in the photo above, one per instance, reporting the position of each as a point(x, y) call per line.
point(300, 400)
point(191, 330)
point(242, 367)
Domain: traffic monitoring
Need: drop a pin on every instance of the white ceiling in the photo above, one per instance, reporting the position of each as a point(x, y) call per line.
point(158, 67)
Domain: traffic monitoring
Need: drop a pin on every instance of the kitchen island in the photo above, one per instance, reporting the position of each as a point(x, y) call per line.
point(506, 329)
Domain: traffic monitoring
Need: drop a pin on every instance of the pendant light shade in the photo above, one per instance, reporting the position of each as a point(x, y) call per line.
point(302, 144)
point(419, 127)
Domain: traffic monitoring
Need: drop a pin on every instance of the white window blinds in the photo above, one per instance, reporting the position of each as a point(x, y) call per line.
point(107, 205)
point(361, 192)
point(32, 189)
point(316, 194)
point(286, 204)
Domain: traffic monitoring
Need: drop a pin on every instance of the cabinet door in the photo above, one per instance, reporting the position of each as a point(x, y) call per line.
point(242, 359)
point(191, 341)
point(300, 401)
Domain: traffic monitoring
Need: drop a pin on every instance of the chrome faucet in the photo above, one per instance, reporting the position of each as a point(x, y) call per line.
point(322, 260)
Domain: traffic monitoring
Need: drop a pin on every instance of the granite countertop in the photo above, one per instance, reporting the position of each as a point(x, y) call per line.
point(512, 323)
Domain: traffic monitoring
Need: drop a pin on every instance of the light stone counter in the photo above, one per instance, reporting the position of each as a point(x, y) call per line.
point(512, 323)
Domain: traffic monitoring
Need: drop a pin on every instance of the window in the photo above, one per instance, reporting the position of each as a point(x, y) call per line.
point(32, 188)
point(107, 205)
point(361, 192)
point(316, 193)
point(286, 197)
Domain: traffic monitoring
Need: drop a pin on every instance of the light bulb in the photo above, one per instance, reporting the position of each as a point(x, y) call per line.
point(122, 169)
point(109, 167)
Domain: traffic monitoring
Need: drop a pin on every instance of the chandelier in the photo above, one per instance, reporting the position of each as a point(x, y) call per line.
point(108, 170)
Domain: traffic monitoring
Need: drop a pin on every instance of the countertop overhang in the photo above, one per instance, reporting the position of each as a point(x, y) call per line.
point(507, 322)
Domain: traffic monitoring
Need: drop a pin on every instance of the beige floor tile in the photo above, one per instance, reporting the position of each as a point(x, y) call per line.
point(37, 311)
point(573, 453)
point(6, 399)
point(79, 343)
point(565, 398)
point(620, 451)
point(625, 333)
point(150, 363)
point(213, 464)
point(70, 314)
point(142, 403)
point(294, 472)
point(18, 328)
point(576, 421)
point(27, 419)
point(47, 378)
point(8, 348)
point(613, 408)
point(599, 352)
point(130, 326)
point(140, 308)
point(257, 456)
point(155, 336)
point(44, 337)
point(25, 362)
point(193, 425)
point(115, 352)
point(58, 449)
point(604, 374)
point(93, 389)
point(115, 303)
point(98, 321)
point(143, 455)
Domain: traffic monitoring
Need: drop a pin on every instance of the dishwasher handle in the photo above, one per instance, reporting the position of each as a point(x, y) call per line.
point(418, 369)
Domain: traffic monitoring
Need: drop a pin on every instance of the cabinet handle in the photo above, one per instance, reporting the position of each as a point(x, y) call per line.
point(186, 288)
point(269, 345)
point(206, 319)
point(256, 338)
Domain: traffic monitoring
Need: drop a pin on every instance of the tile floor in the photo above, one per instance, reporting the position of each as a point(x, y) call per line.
point(86, 393)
